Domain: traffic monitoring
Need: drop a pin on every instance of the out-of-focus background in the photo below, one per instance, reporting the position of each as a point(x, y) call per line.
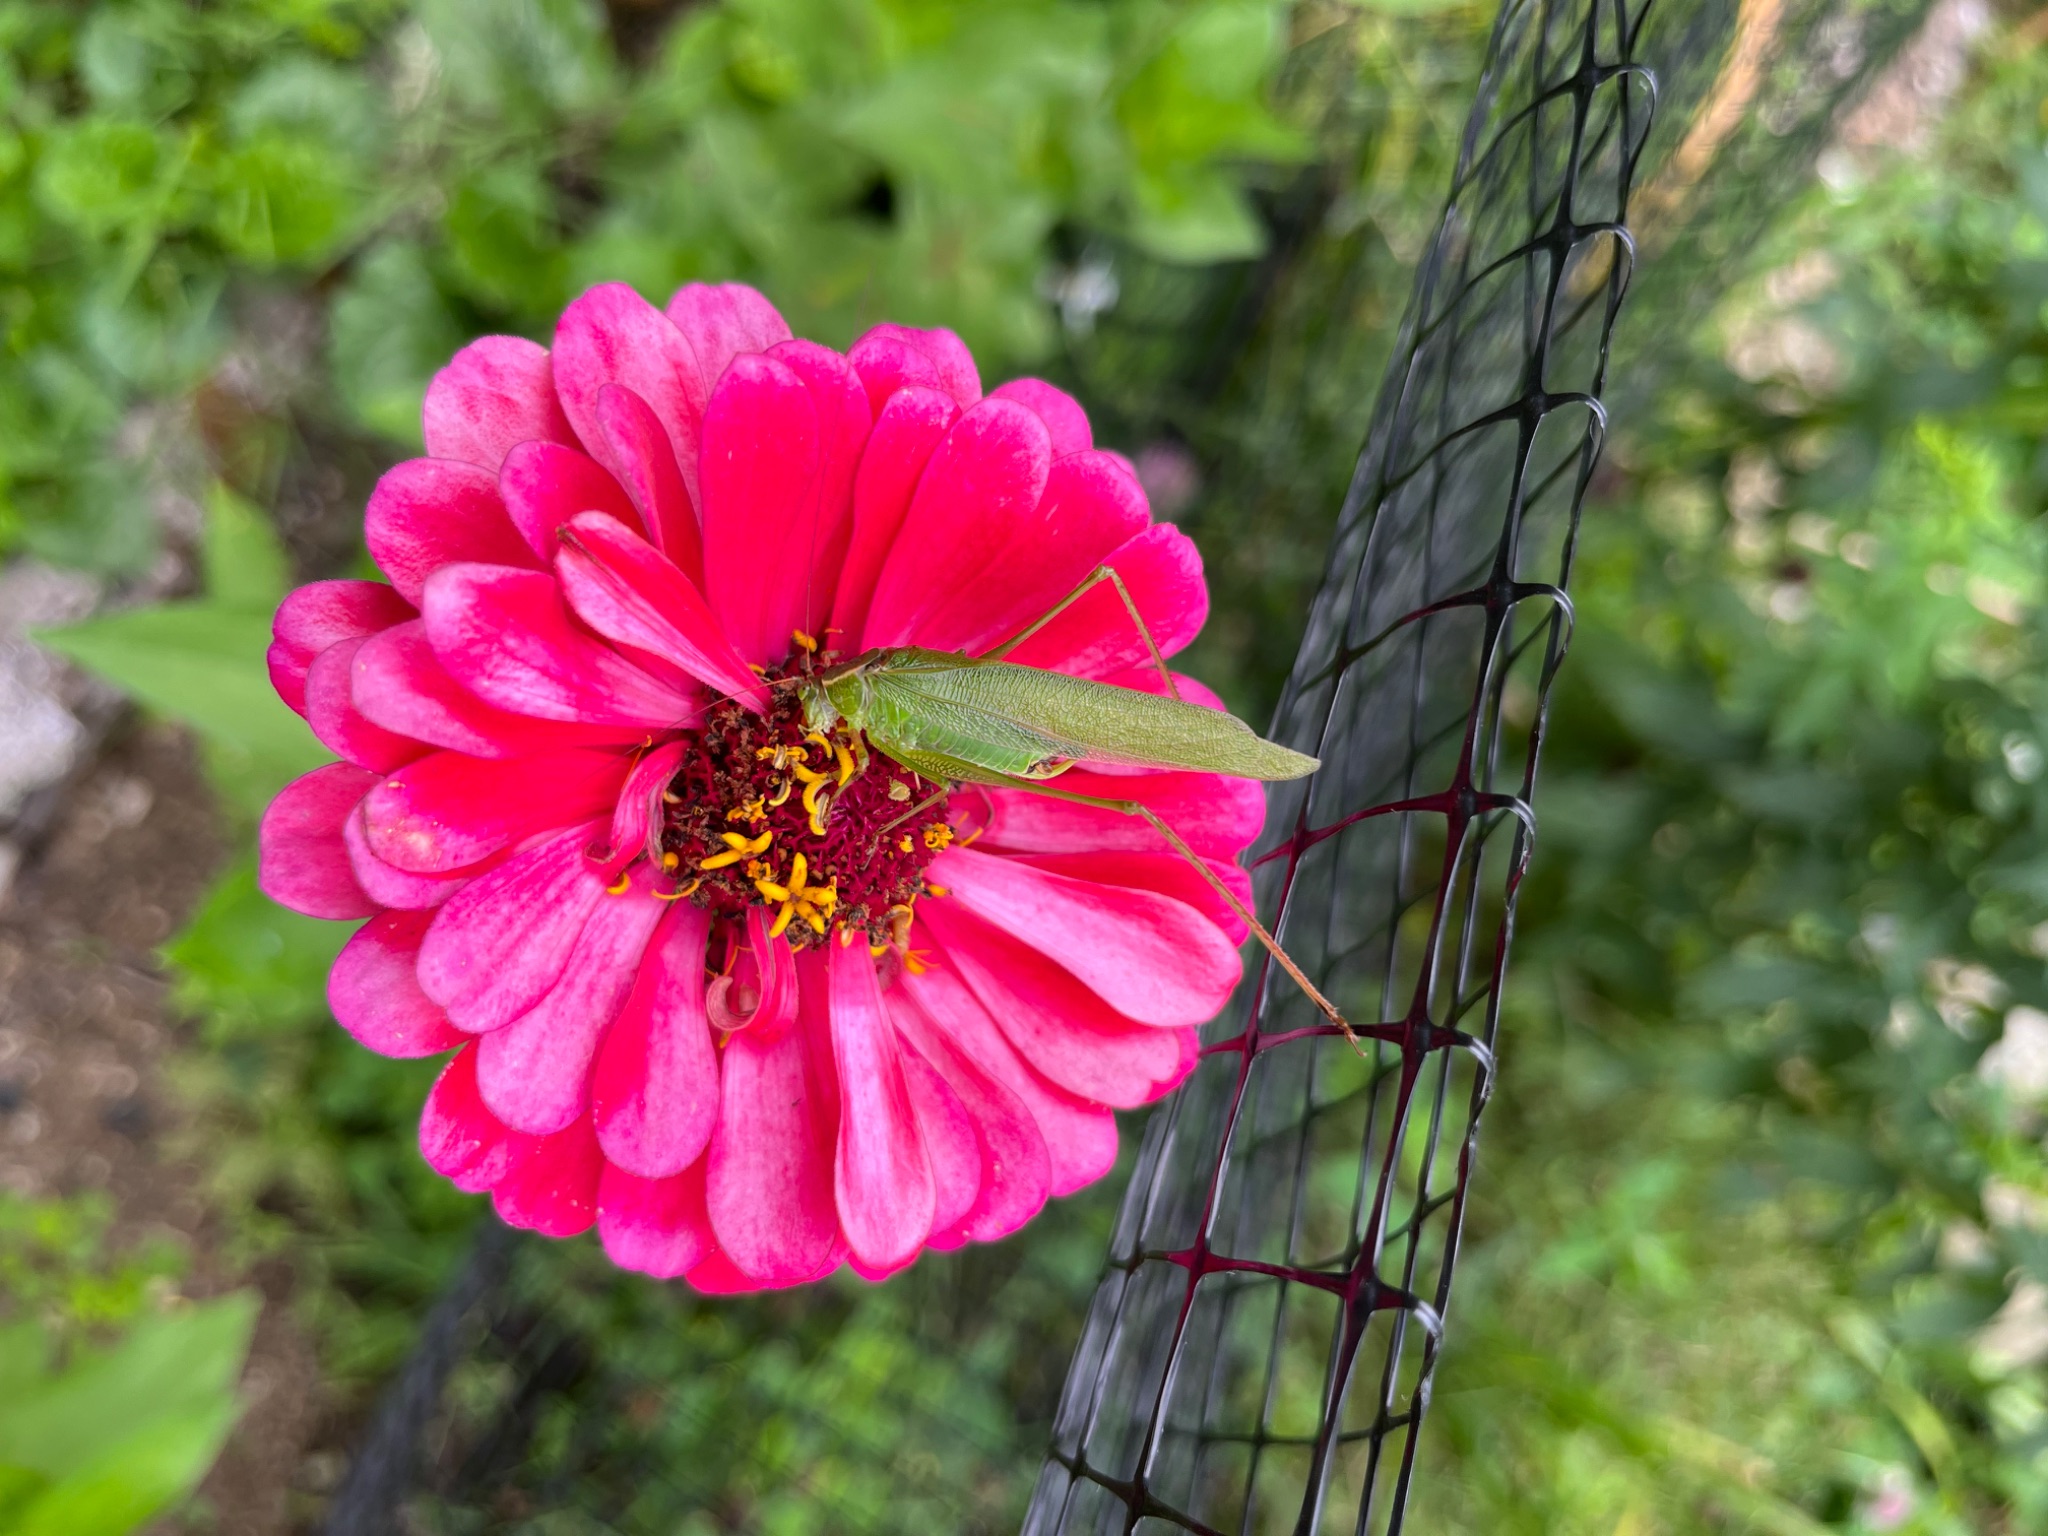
point(1761, 1233)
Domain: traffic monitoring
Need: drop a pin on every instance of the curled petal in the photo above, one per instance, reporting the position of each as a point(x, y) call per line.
point(544, 485)
point(505, 635)
point(1057, 1025)
point(343, 728)
point(1060, 411)
point(427, 513)
point(460, 1139)
point(374, 990)
point(769, 1174)
point(636, 819)
point(760, 509)
point(322, 614)
point(760, 992)
point(882, 1175)
point(658, 1227)
point(550, 1182)
point(535, 1072)
point(906, 433)
point(1162, 570)
point(983, 484)
point(951, 364)
point(495, 393)
point(1079, 1136)
point(302, 860)
point(654, 1095)
point(723, 320)
point(613, 336)
point(501, 942)
point(1147, 956)
point(399, 683)
point(629, 591)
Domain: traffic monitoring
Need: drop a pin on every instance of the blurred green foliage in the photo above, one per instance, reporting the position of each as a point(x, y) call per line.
point(431, 170)
point(1765, 1222)
point(114, 1395)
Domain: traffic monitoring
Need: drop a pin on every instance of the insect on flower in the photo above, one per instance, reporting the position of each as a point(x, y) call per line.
point(763, 772)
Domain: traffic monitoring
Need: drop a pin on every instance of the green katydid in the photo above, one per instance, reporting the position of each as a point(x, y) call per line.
point(958, 719)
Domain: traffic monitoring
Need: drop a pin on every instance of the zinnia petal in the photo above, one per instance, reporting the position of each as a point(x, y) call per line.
point(906, 434)
point(613, 336)
point(1215, 814)
point(543, 485)
point(460, 1139)
point(951, 363)
point(322, 614)
point(496, 393)
point(647, 464)
point(654, 1095)
point(659, 1227)
point(374, 990)
point(1162, 570)
point(550, 1182)
point(427, 513)
point(448, 810)
point(723, 320)
point(340, 726)
point(301, 861)
point(1060, 411)
point(882, 1176)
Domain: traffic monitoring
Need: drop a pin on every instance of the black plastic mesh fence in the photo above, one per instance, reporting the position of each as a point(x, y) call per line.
point(1260, 1353)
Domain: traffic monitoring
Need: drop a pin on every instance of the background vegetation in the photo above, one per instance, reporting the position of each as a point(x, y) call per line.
point(1763, 1234)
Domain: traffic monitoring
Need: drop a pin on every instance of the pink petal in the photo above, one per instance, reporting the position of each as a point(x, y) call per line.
point(843, 422)
point(629, 591)
point(459, 1138)
point(1016, 1170)
point(448, 811)
point(882, 1177)
point(946, 352)
point(1215, 814)
point(550, 1185)
point(613, 336)
point(342, 728)
point(1091, 508)
point(769, 1173)
point(761, 476)
point(1166, 873)
point(636, 818)
point(982, 486)
point(648, 466)
point(302, 862)
point(1163, 571)
point(375, 993)
point(1079, 1136)
point(723, 320)
point(495, 393)
point(658, 1227)
point(654, 1095)
point(387, 884)
point(759, 992)
point(506, 636)
point(535, 1072)
point(428, 513)
point(501, 942)
point(947, 1132)
point(719, 1276)
point(1059, 1026)
point(545, 484)
point(321, 614)
point(1147, 956)
point(1060, 411)
point(886, 365)
point(400, 684)
point(906, 433)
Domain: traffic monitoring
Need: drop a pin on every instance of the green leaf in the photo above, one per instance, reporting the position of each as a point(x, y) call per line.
point(202, 662)
point(125, 1431)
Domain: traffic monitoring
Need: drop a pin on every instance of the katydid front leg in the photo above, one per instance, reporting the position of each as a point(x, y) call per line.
point(1089, 583)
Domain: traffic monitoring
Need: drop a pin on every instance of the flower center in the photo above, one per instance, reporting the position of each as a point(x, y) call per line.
point(827, 833)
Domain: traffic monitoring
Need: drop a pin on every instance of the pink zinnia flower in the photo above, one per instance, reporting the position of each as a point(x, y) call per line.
point(702, 993)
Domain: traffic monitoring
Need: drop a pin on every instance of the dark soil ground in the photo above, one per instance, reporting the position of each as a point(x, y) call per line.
point(85, 1036)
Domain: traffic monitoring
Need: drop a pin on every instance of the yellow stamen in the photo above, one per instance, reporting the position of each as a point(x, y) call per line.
point(819, 812)
point(723, 860)
point(671, 859)
point(747, 845)
point(935, 890)
point(810, 915)
point(797, 871)
point(679, 893)
point(670, 797)
point(938, 836)
point(845, 762)
point(876, 950)
point(916, 962)
point(759, 869)
point(619, 887)
point(750, 811)
point(903, 843)
point(968, 840)
point(770, 891)
point(781, 794)
point(804, 640)
point(782, 920)
point(826, 897)
point(808, 775)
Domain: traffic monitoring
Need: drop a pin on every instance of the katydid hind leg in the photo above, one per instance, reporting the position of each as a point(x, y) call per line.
point(1200, 866)
point(1089, 583)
